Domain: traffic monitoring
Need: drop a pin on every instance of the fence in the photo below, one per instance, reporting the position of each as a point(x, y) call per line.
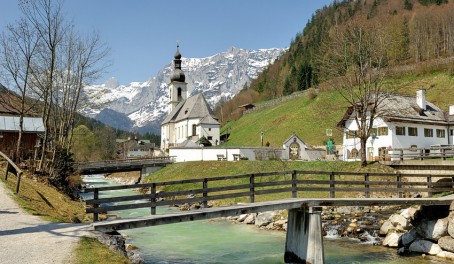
point(418, 153)
point(253, 185)
point(11, 167)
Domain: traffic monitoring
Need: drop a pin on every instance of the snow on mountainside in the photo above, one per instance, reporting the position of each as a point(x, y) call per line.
point(146, 103)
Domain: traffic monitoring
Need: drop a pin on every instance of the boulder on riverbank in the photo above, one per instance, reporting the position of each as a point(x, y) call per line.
point(432, 232)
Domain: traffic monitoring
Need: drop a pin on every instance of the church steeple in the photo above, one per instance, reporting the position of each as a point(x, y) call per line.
point(178, 74)
point(177, 86)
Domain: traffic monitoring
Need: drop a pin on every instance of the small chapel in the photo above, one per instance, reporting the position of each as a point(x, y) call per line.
point(191, 121)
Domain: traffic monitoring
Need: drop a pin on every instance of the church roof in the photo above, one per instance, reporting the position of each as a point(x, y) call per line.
point(195, 107)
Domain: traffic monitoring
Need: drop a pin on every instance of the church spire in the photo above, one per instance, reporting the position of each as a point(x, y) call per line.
point(177, 75)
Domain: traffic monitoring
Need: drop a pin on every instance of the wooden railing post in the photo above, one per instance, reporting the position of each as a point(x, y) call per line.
point(401, 155)
point(19, 174)
point(251, 188)
point(429, 185)
point(366, 185)
point(399, 185)
point(6, 171)
point(332, 192)
point(205, 193)
point(294, 185)
point(95, 197)
point(443, 154)
point(153, 198)
point(421, 154)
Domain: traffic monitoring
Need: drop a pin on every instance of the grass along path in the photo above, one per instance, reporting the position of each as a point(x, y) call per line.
point(35, 227)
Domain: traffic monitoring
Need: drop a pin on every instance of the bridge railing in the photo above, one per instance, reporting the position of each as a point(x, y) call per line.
point(418, 153)
point(11, 167)
point(104, 163)
point(271, 185)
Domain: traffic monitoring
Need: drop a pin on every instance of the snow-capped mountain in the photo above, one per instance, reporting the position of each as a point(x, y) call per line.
point(145, 104)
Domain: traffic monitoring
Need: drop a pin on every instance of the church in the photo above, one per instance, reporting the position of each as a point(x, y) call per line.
point(189, 119)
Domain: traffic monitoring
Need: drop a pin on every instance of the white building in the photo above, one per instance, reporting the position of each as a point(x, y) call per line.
point(402, 122)
point(189, 119)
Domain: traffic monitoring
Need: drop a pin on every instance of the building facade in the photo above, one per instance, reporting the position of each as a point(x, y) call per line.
point(402, 122)
point(189, 118)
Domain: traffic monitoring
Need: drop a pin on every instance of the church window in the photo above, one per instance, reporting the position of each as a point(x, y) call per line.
point(179, 93)
point(194, 130)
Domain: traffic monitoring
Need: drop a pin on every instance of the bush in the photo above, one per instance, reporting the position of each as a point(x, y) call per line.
point(62, 173)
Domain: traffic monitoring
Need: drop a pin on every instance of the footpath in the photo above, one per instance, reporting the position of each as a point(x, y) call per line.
point(26, 238)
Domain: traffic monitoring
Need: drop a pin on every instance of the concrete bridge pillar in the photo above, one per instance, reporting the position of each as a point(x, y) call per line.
point(304, 242)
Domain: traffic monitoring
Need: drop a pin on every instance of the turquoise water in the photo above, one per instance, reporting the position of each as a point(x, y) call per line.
point(219, 241)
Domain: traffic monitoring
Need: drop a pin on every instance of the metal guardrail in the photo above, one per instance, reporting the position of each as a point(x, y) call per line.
point(251, 185)
point(17, 170)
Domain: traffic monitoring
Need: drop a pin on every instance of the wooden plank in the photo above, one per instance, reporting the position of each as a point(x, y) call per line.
point(208, 213)
point(385, 190)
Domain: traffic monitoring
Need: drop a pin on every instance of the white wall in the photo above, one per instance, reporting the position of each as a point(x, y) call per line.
point(210, 153)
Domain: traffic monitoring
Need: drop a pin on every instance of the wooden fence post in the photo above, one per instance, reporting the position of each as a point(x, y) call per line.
point(294, 186)
point(205, 194)
point(401, 154)
point(251, 188)
point(429, 185)
point(366, 185)
point(153, 198)
point(399, 185)
point(19, 174)
point(443, 154)
point(421, 154)
point(95, 197)
point(7, 171)
point(332, 192)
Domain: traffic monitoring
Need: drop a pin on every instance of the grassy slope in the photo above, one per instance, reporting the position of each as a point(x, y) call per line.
point(308, 118)
point(41, 199)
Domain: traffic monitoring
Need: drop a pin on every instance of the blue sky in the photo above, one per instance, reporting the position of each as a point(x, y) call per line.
point(142, 34)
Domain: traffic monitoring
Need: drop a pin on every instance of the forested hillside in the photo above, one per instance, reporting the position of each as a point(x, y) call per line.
point(419, 34)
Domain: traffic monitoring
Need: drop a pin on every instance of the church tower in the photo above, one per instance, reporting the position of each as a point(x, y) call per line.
point(177, 86)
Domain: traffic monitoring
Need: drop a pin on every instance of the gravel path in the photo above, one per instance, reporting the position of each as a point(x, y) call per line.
point(26, 238)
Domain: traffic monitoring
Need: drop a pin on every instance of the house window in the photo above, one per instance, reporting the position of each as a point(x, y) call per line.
point(428, 132)
point(351, 133)
point(210, 138)
point(400, 131)
point(452, 132)
point(413, 131)
point(373, 131)
point(440, 133)
point(354, 154)
point(383, 131)
point(194, 130)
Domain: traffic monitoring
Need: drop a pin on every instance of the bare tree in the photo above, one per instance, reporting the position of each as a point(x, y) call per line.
point(19, 44)
point(65, 63)
point(355, 63)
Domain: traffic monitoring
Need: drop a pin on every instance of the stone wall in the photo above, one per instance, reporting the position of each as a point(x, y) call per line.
point(426, 230)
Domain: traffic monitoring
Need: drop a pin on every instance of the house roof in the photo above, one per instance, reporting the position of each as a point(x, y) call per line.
point(31, 124)
point(404, 108)
point(192, 108)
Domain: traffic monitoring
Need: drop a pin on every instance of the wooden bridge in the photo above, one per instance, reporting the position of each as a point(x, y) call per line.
point(304, 240)
point(109, 166)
